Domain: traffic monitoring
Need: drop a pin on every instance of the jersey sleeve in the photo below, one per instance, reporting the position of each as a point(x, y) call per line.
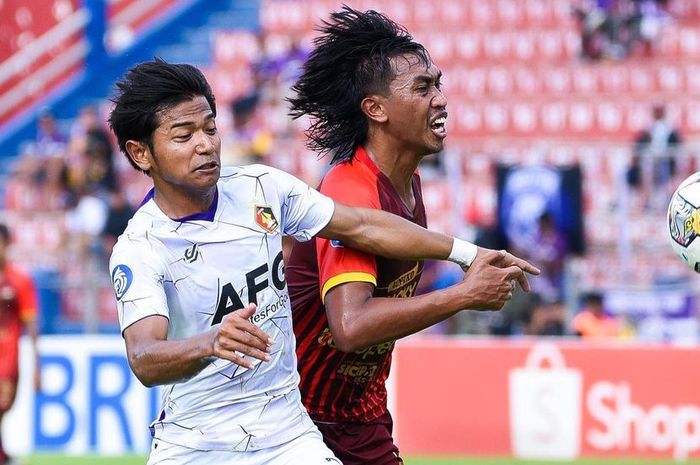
point(304, 210)
point(138, 277)
point(337, 264)
point(27, 297)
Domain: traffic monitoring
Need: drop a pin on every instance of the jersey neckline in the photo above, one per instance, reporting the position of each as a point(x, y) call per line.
point(207, 215)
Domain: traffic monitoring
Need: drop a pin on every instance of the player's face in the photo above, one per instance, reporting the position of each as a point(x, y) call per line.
point(186, 148)
point(416, 107)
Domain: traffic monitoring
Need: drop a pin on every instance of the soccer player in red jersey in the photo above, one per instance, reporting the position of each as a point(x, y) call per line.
point(376, 105)
point(18, 307)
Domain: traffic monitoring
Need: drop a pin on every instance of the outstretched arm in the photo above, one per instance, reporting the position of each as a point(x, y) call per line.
point(357, 320)
point(385, 234)
point(381, 233)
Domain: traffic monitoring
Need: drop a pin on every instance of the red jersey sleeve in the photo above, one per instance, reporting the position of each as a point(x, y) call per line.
point(351, 184)
point(26, 294)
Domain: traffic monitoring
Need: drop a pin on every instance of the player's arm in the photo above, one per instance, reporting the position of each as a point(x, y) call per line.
point(387, 235)
point(32, 329)
point(28, 308)
point(371, 229)
point(156, 360)
point(357, 320)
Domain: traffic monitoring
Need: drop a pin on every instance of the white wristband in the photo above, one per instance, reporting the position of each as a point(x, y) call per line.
point(463, 253)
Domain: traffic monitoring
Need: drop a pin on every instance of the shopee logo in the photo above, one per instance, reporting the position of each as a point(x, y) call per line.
point(625, 425)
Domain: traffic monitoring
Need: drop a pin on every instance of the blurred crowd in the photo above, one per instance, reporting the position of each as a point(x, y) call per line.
point(73, 171)
point(617, 29)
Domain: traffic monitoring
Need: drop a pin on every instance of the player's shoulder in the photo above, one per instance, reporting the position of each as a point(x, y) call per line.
point(247, 180)
point(351, 169)
point(349, 175)
point(232, 173)
point(17, 272)
point(138, 235)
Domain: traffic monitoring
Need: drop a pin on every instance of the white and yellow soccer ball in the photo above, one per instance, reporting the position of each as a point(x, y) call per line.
point(684, 221)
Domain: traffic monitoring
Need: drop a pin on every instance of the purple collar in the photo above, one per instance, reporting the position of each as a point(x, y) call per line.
point(201, 216)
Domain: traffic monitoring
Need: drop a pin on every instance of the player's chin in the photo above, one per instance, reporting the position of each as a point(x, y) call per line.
point(208, 175)
point(436, 145)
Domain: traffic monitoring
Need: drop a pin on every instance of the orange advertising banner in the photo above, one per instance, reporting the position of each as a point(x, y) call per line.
point(546, 399)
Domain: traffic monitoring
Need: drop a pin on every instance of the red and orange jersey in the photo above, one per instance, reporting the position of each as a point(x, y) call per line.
point(18, 301)
point(18, 305)
point(337, 386)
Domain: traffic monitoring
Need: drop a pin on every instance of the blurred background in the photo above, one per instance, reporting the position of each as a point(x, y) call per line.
point(571, 123)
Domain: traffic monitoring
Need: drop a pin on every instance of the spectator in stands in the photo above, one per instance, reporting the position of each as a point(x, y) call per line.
point(654, 159)
point(289, 66)
point(101, 174)
point(548, 250)
point(84, 222)
point(89, 164)
point(250, 140)
point(545, 317)
point(592, 322)
point(40, 167)
point(593, 22)
point(118, 215)
point(615, 28)
point(647, 22)
point(50, 141)
point(281, 70)
point(18, 309)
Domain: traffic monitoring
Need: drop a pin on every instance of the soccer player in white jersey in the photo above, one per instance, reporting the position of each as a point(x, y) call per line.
point(199, 279)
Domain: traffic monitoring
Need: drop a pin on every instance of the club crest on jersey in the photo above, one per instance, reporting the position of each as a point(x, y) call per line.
point(265, 218)
point(121, 279)
point(336, 243)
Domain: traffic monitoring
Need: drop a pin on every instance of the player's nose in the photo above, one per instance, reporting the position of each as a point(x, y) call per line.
point(439, 100)
point(204, 143)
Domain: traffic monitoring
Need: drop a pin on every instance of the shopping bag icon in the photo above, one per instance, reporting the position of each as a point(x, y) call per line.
point(545, 406)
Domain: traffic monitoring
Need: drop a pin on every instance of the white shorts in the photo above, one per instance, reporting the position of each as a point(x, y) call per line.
point(307, 449)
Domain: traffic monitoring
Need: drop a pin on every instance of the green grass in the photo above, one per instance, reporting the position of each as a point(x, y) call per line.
point(139, 460)
point(84, 460)
point(511, 461)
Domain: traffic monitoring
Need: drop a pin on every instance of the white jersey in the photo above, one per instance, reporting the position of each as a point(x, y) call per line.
point(196, 270)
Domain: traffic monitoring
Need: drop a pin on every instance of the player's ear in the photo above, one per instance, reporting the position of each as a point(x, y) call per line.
point(140, 153)
point(373, 107)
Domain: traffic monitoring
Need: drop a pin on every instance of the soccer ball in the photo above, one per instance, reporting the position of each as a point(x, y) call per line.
point(684, 221)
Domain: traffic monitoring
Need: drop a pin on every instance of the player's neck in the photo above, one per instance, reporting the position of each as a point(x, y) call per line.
point(398, 167)
point(179, 204)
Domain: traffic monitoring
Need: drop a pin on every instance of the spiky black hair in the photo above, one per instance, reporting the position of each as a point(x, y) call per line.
point(351, 59)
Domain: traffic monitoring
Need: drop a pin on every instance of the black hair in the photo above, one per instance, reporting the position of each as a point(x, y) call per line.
point(4, 233)
point(351, 59)
point(146, 90)
point(593, 298)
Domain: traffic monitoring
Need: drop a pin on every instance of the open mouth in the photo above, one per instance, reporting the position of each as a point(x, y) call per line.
point(208, 166)
point(438, 126)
